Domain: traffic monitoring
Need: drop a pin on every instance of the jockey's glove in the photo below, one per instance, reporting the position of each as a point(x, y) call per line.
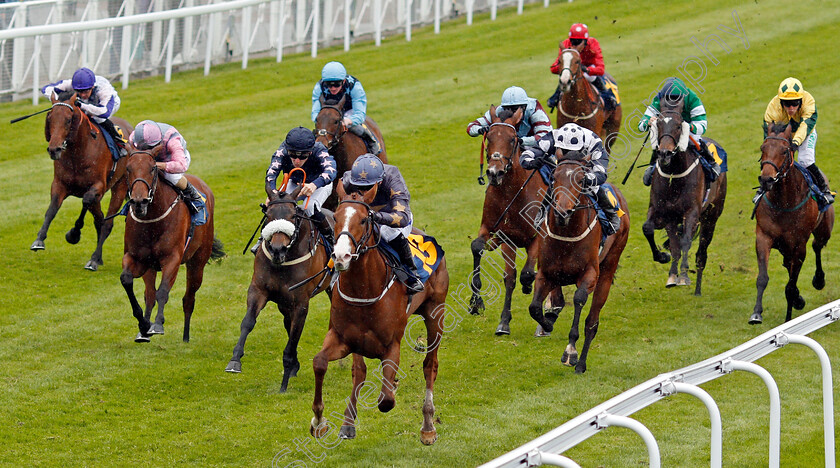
point(589, 180)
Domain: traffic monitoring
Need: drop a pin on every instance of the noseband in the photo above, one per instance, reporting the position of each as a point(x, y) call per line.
point(297, 217)
point(151, 187)
point(786, 165)
point(336, 136)
point(359, 245)
point(496, 156)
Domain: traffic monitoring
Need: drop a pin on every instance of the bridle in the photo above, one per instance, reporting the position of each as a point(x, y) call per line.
point(298, 217)
point(786, 165)
point(336, 136)
point(572, 81)
point(578, 204)
point(151, 187)
point(496, 156)
point(72, 116)
point(360, 245)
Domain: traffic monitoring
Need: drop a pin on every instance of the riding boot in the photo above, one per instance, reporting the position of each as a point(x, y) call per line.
point(611, 211)
point(707, 155)
point(370, 139)
point(554, 99)
point(191, 197)
point(410, 278)
point(323, 227)
point(609, 101)
point(821, 183)
point(647, 178)
point(116, 134)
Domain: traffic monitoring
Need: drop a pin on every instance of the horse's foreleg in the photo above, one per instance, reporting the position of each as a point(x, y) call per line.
point(149, 278)
point(195, 275)
point(348, 425)
point(509, 256)
point(294, 330)
point(434, 333)
point(675, 244)
point(762, 253)
point(257, 298)
point(648, 229)
point(331, 350)
point(689, 228)
point(74, 235)
point(390, 366)
point(707, 232)
point(57, 195)
point(91, 201)
point(169, 271)
point(599, 298)
point(131, 270)
point(528, 274)
point(793, 263)
point(585, 286)
point(476, 302)
point(541, 290)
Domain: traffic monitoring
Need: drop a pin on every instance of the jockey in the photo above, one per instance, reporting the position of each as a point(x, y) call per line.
point(591, 59)
point(693, 112)
point(173, 159)
point(335, 83)
point(95, 96)
point(300, 150)
point(391, 209)
point(794, 105)
point(574, 138)
point(534, 124)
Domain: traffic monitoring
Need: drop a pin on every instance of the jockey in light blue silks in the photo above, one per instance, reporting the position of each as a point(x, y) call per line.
point(335, 83)
point(534, 124)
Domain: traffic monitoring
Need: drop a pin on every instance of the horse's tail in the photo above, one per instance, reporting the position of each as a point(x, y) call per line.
point(218, 251)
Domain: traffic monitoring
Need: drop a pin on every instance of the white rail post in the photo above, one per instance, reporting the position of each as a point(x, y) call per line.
point(347, 13)
point(19, 48)
point(189, 28)
point(494, 6)
point(300, 25)
point(377, 21)
point(520, 5)
point(281, 30)
point(126, 46)
point(545, 3)
point(55, 43)
point(156, 50)
point(170, 44)
point(245, 35)
point(208, 51)
point(437, 16)
point(469, 5)
point(728, 366)
point(36, 69)
point(316, 17)
point(606, 420)
point(408, 5)
point(669, 388)
point(537, 458)
point(828, 389)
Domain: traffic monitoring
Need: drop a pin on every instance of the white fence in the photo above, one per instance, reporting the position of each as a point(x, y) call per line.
point(546, 449)
point(43, 41)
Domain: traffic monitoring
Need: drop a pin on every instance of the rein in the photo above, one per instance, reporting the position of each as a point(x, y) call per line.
point(336, 136)
point(577, 207)
point(781, 174)
point(572, 82)
point(152, 188)
point(294, 237)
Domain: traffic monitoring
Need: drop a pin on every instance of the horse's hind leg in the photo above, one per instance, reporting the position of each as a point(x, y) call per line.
point(348, 425)
point(195, 275)
point(476, 302)
point(293, 322)
point(92, 202)
point(762, 252)
point(793, 262)
point(434, 318)
point(508, 254)
point(707, 232)
point(169, 271)
point(689, 228)
point(390, 367)
point(821, 236)
point(257, 298)
point(74, 235)
point(331, 350)
point(57, 195)
point(674, 243)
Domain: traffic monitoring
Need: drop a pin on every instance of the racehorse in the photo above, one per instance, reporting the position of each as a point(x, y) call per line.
point(786, 216)
point(369, 315)
point(82, 167)
point(289, 253)
point(504, 219)
point(159, 237)
point(581, 103)
point(344, 146)
point(679, 197)
point(569, 254)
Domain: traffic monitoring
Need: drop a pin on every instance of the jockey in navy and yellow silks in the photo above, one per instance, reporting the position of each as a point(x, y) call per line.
point(793, 105)
point(693, 112)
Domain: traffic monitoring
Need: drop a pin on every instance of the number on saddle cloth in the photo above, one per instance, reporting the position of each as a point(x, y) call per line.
point(602, 217)
point(426, 253)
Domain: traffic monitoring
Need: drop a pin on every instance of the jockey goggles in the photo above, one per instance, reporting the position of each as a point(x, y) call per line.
point(333, 84)
point(301, 155)
point(791, 103)
point(575, 42)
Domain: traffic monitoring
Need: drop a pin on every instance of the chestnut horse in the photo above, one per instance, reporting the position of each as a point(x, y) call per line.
point(83, 167)
point(289, 253)
point(581, 103)
point(786, 216)
point(513, 195)
point(369, 314)
point(679, 200)
point(569, 254)
point(156, 231)
point(344, 146)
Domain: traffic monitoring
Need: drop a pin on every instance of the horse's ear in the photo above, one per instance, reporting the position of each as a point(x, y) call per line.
point(517, 116)
point(371, 194)
point(53, 97)
point(339, 189)
point(340, 104)
point(493, 117)
point(269, 191)
point(296, 191)
point(322, 100)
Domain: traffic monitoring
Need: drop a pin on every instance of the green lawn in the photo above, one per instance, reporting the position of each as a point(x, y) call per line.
point(75, 388)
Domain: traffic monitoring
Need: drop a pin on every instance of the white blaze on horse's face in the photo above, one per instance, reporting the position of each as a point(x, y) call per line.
point(343, 246)
point(566, 74)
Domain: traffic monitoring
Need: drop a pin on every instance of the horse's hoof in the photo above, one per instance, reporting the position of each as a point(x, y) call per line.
point(37, 245)
point(91, 265)
point(428, 437)
point(540, 333)
point(579, 369)
point(683, 281)
point(476, 307)
point(799, 303)
point(318, 431)
point(503, 329)
point(141, 339)
point(662, 257)
point(569, 359)
point(234, 367)
point(347, 432)
point(672, 281)
point(387, 404)
point(525, 290)
point(294, 371)
point(755, 318)
point(157, 329)
point(73, 236)
point(819, 281)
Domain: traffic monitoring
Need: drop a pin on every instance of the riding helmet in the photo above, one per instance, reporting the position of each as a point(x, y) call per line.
point(367, 170)
point(570, 137)
point(83, 79)
point(299, 139)
point(333, 71)
point(514, 96)
point(146, 135)
point(791, 89)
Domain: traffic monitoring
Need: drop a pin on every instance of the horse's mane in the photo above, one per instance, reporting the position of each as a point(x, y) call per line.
point(575, 156)
point(332, 100)
point(777, 128)
point(65, 95)
point(504, 113)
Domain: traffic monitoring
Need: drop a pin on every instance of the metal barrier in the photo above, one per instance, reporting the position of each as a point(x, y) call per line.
point(545, 450)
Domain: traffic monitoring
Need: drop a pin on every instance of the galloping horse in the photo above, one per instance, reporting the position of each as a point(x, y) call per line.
point(369, 315)
point(344, 146)
point(290, 253)
point(508, 229)
point(679, 200)
point(581, 104)
point(569, 254)
point(83, 168)
point(156, 233)
point(786, 216)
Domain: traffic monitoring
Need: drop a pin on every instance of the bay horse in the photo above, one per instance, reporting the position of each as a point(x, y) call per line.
point(680, 199)
point(580, 103)
point(369, 315)
point(82, 167)
point(504, 220)
point(156, 232)
point(344, 146)
point(570, 253)
point(289, 253)
point(786, 216)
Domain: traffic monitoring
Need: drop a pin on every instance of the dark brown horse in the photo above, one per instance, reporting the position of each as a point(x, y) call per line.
point(679, 200)
point(343, 145)
point(368, 318)
point(156, 230)
point(84, 168)
point(569, 254)
point(508, 203)
point(289, 253)
point(786, 216)
point(581, 103)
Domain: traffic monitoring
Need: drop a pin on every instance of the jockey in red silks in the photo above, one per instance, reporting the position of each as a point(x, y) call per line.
point(592, 61)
